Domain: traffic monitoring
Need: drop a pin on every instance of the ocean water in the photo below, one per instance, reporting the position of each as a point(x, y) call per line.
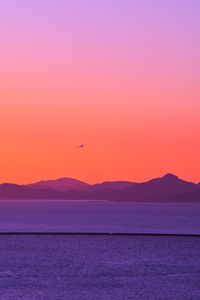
point(99, 216)
point(89, 267)
point(107, 267)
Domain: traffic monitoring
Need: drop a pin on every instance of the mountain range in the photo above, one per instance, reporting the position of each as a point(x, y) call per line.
point(168, 188)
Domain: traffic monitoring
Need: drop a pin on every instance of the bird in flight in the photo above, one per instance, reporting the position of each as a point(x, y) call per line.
point(81, 146)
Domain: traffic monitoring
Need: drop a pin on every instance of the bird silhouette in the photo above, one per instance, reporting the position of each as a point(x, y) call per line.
point(81, 146)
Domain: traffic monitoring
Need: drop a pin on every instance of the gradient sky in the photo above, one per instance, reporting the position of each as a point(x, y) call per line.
point(122, 76)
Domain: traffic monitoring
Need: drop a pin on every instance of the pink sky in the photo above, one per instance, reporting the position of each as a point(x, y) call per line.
point(121, 76)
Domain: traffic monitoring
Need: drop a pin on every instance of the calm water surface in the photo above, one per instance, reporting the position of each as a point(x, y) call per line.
point(77, 267)
point(90, 267)
point(99, 216)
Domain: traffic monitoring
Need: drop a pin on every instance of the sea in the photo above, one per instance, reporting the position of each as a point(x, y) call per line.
point(99, 216)
point(51, 250)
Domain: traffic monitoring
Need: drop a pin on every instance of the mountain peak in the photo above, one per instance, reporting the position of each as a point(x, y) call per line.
point(163, 188)
point(60, 184)
point(170, 176)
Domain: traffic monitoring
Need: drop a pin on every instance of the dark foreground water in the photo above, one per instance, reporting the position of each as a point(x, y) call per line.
point(53, 267)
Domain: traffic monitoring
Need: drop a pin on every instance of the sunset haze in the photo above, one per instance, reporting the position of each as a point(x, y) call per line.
point(120, 76)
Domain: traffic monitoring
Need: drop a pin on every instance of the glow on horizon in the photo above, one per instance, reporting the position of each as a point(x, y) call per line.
point(121, 76)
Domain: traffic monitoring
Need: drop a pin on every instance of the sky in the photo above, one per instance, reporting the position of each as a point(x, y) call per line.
point(121, 76)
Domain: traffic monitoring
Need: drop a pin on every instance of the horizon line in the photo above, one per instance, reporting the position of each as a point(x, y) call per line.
point(98, 182)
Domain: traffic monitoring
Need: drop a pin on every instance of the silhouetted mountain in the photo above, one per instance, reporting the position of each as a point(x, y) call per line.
point(14, 191)
point(192, 196)
point(61, 184)
point(166, 188)
point(66, 184)
point(112, 185)
point(151, 190)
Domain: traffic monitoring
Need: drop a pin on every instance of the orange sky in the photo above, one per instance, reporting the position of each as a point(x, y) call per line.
point(124, 79)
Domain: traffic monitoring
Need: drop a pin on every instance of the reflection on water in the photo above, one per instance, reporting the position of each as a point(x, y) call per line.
point(99, 216)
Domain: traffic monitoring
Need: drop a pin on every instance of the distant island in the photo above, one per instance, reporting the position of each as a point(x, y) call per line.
point(168, 188)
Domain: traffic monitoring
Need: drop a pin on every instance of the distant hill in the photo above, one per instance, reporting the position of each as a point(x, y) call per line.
point(66, 184)
point(61, 184)
point(155, 189)
point(112, 185)
point(14, 191)
point(166, 188)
